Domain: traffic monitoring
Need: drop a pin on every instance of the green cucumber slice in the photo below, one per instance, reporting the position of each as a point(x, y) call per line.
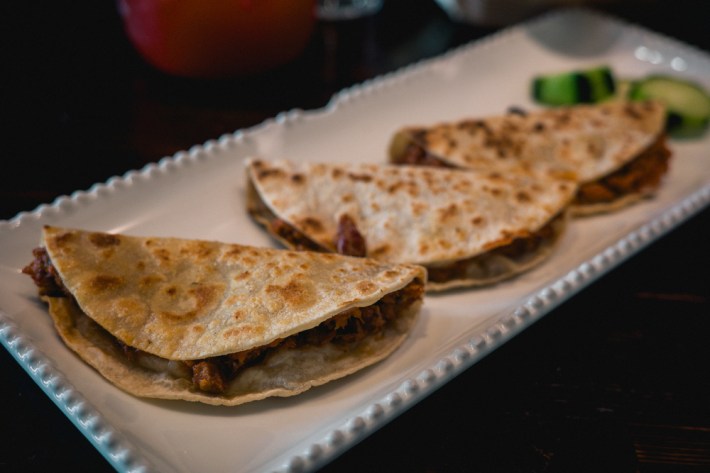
point(687, 102)
point(603, 83)
point(573, 87)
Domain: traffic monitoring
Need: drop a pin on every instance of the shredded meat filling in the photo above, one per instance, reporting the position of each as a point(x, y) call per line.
point(258, 209)
point(351, 326)
point(418, 156)
point(44, 275)
point(516, 249)
point(293, 236)
point(213, 375)
point(349, 240)
point(644, 172)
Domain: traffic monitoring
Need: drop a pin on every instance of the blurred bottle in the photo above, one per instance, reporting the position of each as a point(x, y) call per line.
point(347, 9)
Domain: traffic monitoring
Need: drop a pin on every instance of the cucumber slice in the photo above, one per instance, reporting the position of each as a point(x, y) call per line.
point(603, 83)
point(623, 86)
point(687, 102)
point(573, 87)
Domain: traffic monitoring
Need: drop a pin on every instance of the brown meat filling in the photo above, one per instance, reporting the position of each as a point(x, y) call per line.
point(261, 213)
point(349, 240)
point(44, 275)
point(297, 239)
point(214, 374)
point(415, 155)
point(516, 249)
point(644, 172)
point(348, 327)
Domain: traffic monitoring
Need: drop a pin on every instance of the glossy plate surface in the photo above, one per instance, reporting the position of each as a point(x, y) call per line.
point(199, 193)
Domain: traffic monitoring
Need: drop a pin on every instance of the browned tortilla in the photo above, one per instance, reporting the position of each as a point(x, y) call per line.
point(586, 142)
point(179, 299)
point(414, 214)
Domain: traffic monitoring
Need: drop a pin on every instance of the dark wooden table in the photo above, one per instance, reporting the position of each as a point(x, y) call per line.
point(614, 380)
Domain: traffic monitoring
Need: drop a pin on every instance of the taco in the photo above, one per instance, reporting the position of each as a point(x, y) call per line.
point(615, 150)
point(219, 323)
point(467, 228)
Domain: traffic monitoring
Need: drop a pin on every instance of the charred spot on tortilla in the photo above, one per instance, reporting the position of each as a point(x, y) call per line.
point(105, 282)
point(267, 173)
point(515, 110)
point(103, 240)
point(297, 292)
point(360, 177)
point(298, 178)
point(64, 239)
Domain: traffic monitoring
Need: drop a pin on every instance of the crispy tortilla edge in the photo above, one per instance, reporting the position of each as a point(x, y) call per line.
point(94, 347)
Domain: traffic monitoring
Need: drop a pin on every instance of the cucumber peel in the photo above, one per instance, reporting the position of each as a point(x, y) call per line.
point(590, 85)
point(687, 103)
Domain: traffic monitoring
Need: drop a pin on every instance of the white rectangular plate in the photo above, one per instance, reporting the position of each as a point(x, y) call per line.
point(200, 194)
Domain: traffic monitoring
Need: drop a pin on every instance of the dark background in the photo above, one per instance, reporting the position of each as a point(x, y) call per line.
point(614, 380)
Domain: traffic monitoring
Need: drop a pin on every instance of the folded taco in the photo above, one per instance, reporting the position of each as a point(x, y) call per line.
point(467, 228)
point(615, 150)
point(219, 323)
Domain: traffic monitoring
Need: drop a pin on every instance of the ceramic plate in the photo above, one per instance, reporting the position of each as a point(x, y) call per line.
point(199, 193)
